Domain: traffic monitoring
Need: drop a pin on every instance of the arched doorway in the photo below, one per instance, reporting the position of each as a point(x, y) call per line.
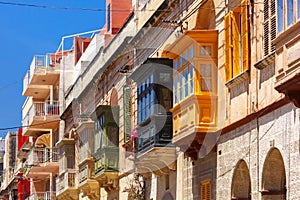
point(273, 177)
point(241, 184)
point(114, 97)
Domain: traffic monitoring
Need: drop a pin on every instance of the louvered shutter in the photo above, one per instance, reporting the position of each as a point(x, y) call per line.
point(126, 112)
point(228, 45)
point(245, 35)
point(205, 190)
point(236, 42)
point(270, 27)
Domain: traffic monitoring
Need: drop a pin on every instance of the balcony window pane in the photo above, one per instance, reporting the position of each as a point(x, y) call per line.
point(180, 87)
point(280, 16)
point(152, 101)
point(191, 79)
point(70, 162)
point(139, 110)
point(175, 89)
point(206, 77)
point(176, 65)
point(186, 56)
point(180, 62)
point(186, 80)
point(151, 78)
point(205, 50)
point(290, 12)
point(192, 52)
point(298, 9)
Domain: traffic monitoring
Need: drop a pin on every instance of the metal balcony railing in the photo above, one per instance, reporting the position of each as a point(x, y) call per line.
point(41, 109)
point(42, 155)
point(50, 195)
point(41, 63)
point(67, 180)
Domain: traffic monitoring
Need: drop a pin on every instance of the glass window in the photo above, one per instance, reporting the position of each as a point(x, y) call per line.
point(186, 56)
point(175, 89)
point(186, 80)
point(290, 12)
point(180, 62)
point(298, 9)
point(206, 77)
point(280, 15)
point(191, 79)
point(192, 52)
point(139, 111)
point(205, 50)
point(151, 78)
point(152, 101)
point(176, 65)
point(180, 87)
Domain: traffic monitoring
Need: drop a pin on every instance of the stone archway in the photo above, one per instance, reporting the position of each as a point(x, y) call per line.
point(241, 183)
point(114, 97)
point(273, 177)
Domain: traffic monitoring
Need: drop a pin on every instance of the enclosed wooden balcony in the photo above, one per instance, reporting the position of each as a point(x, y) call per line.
point(87, 184)
point(195, 56)
point(154, 150)
point(41, 162)
point(107, 167)
point(43, 74)
point(66, 185)
point(106, 146)
point(40, 117)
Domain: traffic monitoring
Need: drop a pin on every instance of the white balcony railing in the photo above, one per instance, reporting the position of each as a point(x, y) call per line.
point(42, 155)
point(42, 196)
point(67, 180)
point(41, 109)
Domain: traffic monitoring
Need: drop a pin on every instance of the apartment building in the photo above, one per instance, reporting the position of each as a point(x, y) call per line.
point(171, 99)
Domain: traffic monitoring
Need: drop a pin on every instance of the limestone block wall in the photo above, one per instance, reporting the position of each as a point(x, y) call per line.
point(279, 130)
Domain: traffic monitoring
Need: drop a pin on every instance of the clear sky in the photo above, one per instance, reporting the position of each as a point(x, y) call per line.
point(26, 31)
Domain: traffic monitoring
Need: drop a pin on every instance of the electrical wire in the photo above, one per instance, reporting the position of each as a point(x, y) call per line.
point(92, 9)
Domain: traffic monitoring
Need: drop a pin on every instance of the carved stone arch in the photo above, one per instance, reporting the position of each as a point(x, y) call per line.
point(206, 16)
point(114, 97)
point(241, 182)
point(273, 176)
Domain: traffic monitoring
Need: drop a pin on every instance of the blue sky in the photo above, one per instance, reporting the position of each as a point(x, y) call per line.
point(26, 31)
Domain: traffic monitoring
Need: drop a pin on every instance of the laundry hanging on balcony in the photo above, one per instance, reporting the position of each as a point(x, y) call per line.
point(43, 141)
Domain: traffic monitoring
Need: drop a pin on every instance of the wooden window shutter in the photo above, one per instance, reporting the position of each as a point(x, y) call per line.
point(205, 190)
point(228, 45)
point(245, 35)
point(126, 112)
point(236, 41)
point(270, 29)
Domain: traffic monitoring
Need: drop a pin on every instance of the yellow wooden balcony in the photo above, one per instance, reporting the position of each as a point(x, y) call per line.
point(194, 56)
point(42, 74)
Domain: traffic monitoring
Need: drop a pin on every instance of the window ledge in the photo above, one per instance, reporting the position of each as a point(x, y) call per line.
point(265, 62)
point(237, 80)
